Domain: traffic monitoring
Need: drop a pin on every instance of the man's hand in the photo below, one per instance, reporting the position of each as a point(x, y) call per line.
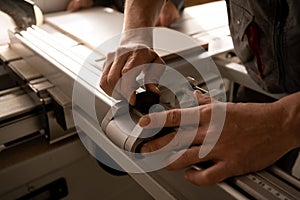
point(75, 5)
point(168, 14)
point(128, 62)
point(254, 136)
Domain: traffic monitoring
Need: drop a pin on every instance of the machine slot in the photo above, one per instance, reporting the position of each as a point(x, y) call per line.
point(14, 104)
point(279, 184)
point(285, 176)
point(54, 190)
point(21, 140)
point(20, 127)
point(265, 187)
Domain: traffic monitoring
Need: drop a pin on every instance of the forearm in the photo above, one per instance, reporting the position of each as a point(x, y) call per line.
point(141, 13)
point(291, 112)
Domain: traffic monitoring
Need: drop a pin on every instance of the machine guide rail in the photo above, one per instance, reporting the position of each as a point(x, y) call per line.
point(27, 103)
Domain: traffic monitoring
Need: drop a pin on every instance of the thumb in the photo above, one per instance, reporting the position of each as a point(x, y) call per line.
point(202, 99)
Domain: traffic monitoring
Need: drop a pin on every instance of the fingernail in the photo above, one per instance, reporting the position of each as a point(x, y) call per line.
point(144, 121)
point(152, 88)
point(156, 90)
point(145, 149)
point(132, 100)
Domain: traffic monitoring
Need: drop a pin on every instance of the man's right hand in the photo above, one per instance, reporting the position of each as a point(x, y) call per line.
point(127, 62)
point(134, 55)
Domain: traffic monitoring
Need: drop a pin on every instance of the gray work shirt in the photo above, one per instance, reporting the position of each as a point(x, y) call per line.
point(266, 36)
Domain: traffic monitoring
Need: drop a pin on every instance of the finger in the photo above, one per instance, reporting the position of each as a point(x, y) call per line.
point(182, 139)
point(110, 57)
point(186, 158)
point(201, 98)
point(140, 59)
point(153, 74)
point(152, 87)
point(140, 56)
point(171, 118)
point(114, 73)
point(129, 73)
point(157, 144)
point(106, 67)
point(212, 175)
point(129, 85)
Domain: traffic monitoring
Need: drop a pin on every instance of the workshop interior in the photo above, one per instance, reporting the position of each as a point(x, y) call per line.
point(44, 136)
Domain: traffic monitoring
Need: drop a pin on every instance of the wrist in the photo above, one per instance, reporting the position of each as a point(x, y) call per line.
point(289, 109)
point(271, 121)
point(140, 13)
point(137, 36)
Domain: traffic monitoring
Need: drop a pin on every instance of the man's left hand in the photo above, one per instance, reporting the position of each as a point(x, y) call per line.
point(253, 137)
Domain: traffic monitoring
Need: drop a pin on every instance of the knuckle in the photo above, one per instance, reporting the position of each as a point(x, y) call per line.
point(186, 158)
point(206, 99)
point(173, 116)
point(209, 178)
point(104, 66)
point(140, 48)
point(128, 65)
point(102, 83)
point(105, 88)
point(214, 177)
point(196, 180)
point(173, 166)
point(110, 57)
point(154, 146)
point(152, 54)
point(125, 69)
point(138, 51)
point(206, 110)
point(144, 51)
point(112, 79)
point(121, 51)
